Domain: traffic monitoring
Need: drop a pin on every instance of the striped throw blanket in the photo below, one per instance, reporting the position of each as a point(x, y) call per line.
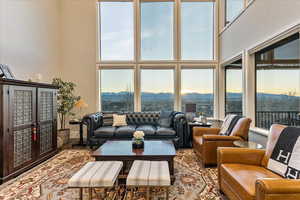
point(285, 158)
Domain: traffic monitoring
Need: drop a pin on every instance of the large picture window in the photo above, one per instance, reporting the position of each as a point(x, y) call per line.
point(116, 31)
point(157, 87)
point(197, 30)
point(157, 30)
point(234, 88)
point(197, 90)
point(117, 90)
point(142, 45)
point(278, 84)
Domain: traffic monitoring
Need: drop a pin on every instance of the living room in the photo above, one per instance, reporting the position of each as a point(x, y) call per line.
point(198, 84)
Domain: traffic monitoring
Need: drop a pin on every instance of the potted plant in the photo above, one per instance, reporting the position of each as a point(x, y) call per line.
point(66, 100)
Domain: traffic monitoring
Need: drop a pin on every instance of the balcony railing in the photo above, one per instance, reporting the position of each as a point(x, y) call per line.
point(264, 119)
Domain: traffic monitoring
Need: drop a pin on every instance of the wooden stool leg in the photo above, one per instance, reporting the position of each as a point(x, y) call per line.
point(80, 193)
point(90, 193)
point(148, 193)
point(167, 194)
point(132, 193)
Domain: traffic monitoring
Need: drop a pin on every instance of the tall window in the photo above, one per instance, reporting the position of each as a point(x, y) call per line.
point(232, 9)
point(157, 87)
point(197, 87)
point(278, 84)
point(234, 88)
point(116, 31)
point(157, 30)
point(117, 90)
point(197, 30)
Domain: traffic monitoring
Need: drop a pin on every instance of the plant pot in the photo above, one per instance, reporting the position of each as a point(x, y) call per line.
point(63, 137)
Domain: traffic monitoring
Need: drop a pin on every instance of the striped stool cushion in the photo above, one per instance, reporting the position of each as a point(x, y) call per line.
point(96, 174)
point(149, 173)
point(159, 174)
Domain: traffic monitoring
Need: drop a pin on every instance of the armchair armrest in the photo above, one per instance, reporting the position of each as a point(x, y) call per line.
point(266, 188)
point(220, 138)
point(200, 131)
point(240, 155)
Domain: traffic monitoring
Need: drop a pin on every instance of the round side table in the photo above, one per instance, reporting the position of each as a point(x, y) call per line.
point(247, 144)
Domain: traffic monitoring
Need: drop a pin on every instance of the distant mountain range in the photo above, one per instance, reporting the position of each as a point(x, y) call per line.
point(109, 96)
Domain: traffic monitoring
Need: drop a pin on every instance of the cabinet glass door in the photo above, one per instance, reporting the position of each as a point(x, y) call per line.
point(46, 120)
point(22, 132)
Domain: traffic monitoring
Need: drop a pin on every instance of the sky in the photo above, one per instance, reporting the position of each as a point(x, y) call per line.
point(234, 80)
point(233, 8)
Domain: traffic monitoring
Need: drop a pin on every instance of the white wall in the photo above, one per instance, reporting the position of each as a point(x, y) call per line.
point(79, 47)
point(30, 37)
point(262, 20)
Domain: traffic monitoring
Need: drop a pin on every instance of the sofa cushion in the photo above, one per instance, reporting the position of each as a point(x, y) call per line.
point(242, 178)
point(105, 131)
point(125, 131)
point(147, 129)
point(165, 119)
point(163, 131)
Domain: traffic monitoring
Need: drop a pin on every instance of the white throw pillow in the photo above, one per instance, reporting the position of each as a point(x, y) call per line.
point(119, 120)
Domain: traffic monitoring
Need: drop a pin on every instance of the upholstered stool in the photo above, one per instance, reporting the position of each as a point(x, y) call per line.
point(100, 174)
point(149, 174)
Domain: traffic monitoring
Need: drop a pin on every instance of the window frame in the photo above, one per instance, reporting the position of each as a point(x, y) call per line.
point(214, 32)
point(114, 67)
point(215, 93)
point(137, 64)
point(156, 67)
point(269, 49)
point(225, 82)
point(139, 32)
point(226, 23)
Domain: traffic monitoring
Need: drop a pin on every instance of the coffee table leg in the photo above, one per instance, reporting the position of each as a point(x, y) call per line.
point(80, 193)
point(171, 169)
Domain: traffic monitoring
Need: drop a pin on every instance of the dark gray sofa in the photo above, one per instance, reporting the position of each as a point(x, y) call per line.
point(141, 121)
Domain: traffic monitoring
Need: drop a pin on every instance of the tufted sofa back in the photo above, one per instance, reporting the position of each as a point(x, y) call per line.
point(142, 118)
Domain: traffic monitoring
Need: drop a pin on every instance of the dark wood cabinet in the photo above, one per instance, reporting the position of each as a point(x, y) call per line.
point(28, 133)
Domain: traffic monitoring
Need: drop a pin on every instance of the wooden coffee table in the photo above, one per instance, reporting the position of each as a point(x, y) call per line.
point(121, 150)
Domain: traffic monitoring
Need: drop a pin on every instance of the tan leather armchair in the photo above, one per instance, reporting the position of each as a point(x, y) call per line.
point(207, 140)
point(243, 174)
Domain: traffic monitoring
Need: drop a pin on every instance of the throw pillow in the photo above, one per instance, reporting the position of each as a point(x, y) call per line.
point(108, 119)
point(234, 121)
point(285, 157)
point(119, 120)
point(165, 119)
point(227, 121)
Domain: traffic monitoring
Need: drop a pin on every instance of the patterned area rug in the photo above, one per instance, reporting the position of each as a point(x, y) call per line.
point(49, 180)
